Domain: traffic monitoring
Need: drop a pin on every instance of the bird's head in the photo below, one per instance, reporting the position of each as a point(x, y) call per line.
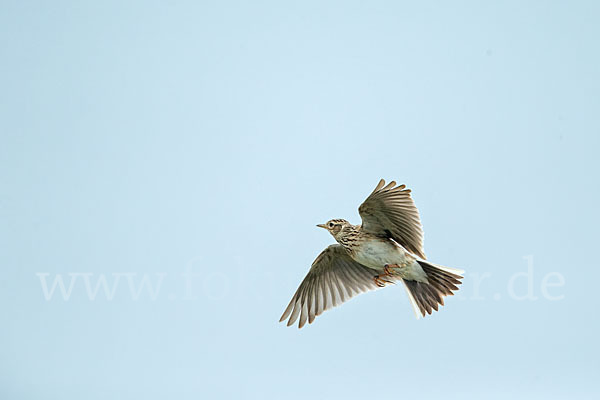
point(337, 227)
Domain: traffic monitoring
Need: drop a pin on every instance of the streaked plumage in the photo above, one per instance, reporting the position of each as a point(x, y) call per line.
point(385, 248)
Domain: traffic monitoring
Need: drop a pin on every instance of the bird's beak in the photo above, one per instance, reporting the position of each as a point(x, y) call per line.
point(322, 226)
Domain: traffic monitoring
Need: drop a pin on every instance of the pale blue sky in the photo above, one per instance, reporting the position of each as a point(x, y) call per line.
point(152, 138)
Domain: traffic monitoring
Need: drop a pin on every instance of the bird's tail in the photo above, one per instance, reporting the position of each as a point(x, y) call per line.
point(426, 297)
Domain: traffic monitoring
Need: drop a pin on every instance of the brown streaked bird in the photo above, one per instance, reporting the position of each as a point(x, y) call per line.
point(386, 248)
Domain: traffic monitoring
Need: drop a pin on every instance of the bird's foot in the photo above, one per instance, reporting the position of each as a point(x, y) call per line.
point(388, 269)
point(380, 281)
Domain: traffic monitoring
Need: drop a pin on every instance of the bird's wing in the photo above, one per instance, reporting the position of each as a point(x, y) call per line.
point(334, 278)
point(390, 211)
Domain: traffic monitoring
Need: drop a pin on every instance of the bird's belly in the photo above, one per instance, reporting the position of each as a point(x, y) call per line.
point(376, 254)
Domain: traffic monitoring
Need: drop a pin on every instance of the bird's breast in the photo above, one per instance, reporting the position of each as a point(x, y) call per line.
point(376, 253)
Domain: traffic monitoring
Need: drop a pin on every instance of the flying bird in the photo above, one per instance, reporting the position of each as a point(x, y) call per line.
point(386, 248)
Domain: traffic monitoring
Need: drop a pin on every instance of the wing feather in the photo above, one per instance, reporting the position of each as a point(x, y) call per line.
point(390, 211)
point(333, 279)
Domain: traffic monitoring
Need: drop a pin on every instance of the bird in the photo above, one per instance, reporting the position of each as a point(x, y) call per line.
point(386, 248)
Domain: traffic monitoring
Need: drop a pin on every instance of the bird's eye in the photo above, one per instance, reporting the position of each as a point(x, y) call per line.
point(331, 224)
